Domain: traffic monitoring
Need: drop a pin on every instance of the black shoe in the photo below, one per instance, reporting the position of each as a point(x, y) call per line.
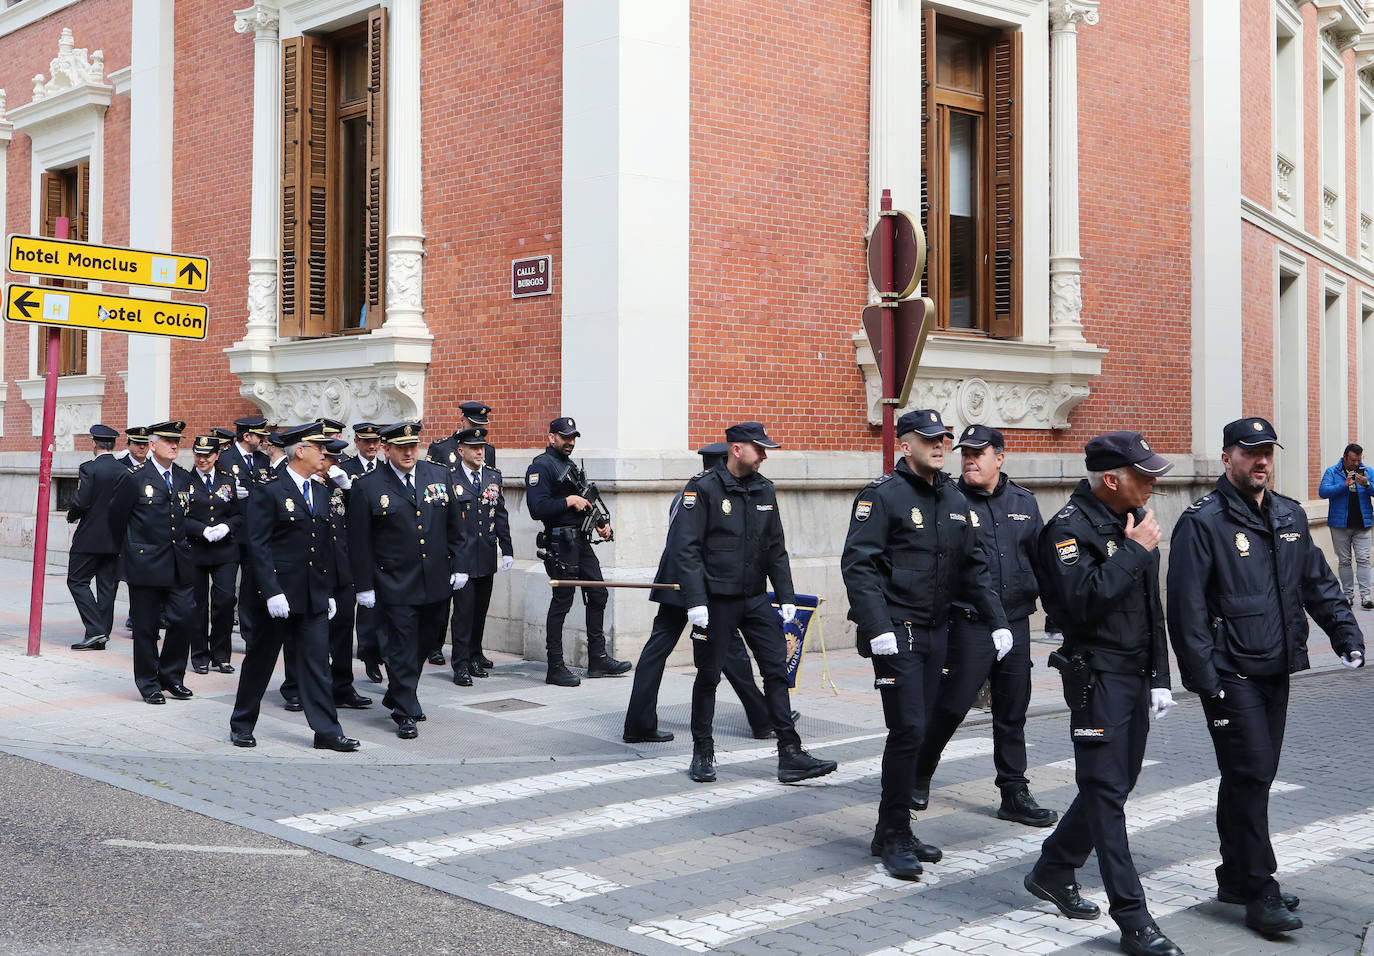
point(652, 737)
point(373, 670)
point(242, 739)
point(154, 698)
point(1019, 806)
point(1270, 917)
point(1226, 896)
point(437, 658)
point(795, 764)
point(91, 644)
point(179, 691)
point(344, 745)
point(201, 668)
point(294, 705)
point(763, 733)
point(356, 701)
point(899, 852)
point(462, 678)
point(703, 769)
point(1367, 603)
point(406, 729)
point(1065, 896)
point(128, 624)
point(920, 795)
point(1148, 941)
point(484, 661)
point(561, 676)
point(476, 670)
point(607, 667)
point(925, 852)
point(224, 667)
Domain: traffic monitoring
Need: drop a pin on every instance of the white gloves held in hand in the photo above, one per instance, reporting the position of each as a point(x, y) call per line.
point(458, 580)
point(340, 477)
point(1001, 639)
point(1161, 701)
point(215, 532)
point(789, 612)
point(277, 606)
point(507, 562)
point(884, 644)
point(1353, 659)
point(333, 609)
point(367, 598)
point(240, 492)
point(698, 616)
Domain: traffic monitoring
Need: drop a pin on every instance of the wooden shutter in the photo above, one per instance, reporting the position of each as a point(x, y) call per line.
point(292, 225)
point(317, 289)
point(374, 264)
point(52, 194)
point(74, 340)
point(1006, 187)
point(930, 217)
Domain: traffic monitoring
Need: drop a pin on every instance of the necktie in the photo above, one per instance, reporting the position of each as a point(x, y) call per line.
point(410, 485)
point(209, 484)
point(368, 466)
point(476, 477)
point(309, 506)
point(168, 476)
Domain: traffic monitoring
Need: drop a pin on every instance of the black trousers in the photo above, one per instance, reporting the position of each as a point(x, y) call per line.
point(1106, 768)
point(305, 638)
point(588, 569)
point(153, 670)
point(96, 610)
point(906, 682)
point(406, 630)
point(212, 640)
point(251, 607)
point(341, 643)
point(971, 659)
point(641, 716)
point(369, 645)
point(757, 619)
point(469, 621)
point(1247, 732)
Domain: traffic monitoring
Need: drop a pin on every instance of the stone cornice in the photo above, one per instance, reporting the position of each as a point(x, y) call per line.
point(259, 18)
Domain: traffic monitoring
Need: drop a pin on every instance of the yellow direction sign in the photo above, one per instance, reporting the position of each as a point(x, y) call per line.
point(64, 259)
point(70, 308)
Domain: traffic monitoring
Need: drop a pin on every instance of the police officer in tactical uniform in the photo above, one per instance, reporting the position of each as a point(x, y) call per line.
point(551, 486)
point(367, 441)
point(1244, 574)
point(94, 554)
point(487, 546)
point(1098, 567)
point(1006, 518)
point(910, 552)
point(727, 541)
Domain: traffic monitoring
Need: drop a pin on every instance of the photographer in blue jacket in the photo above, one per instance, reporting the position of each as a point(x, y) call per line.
point(1347, 486)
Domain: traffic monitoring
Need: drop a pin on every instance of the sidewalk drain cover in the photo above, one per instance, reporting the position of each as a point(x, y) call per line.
point(505, 704)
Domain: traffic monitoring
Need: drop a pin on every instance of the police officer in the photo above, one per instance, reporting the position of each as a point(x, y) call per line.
point(1244, 575)
point(405, 542)
point(473, 415)
point(910, 552)
point(367, 441)
point(641, 716)
point(293, 563)
point(1006, 519)
point(727, 541)
point(337, 483)
point(94, 554)
point(244, 459)
point(214, 503)
point(149, 517)
point(1098, 568)
point(551, 486)
point(136, 441)
point(487, 548)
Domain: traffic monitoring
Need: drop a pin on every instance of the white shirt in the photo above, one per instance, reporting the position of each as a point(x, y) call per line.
point(302, 485)
point(166, 473)
point(403, 475)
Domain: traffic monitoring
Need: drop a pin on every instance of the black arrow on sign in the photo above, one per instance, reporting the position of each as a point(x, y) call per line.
point(190, 272)
point(24, 303)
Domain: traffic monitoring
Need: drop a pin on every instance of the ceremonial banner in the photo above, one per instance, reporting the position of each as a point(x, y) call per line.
point(797, 632)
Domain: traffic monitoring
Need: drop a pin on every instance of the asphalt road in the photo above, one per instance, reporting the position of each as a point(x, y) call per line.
point(67, 886)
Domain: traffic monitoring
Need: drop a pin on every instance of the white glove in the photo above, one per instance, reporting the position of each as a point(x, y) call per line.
point(214, 532)
point(240, 492)
point(1161, 701)
point(340, 477)
point(333, 609)
point(367, 598)
point(1001, 639)
point(884, 644)
point(507, 562)
point(458, 580)
point(1353, 659)
point(277, 606)
point(789, 612)
point(698, 616)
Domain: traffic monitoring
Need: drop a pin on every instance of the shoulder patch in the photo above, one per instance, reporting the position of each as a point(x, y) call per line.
point(1067, 550)
point(862, 509)
point(689, 499)
point(532, 479)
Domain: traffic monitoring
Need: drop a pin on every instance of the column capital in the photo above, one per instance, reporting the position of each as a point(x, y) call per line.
point(1067, 14)
point(260, 18)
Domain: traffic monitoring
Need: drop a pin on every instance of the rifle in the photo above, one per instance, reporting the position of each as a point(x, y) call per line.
point(598, 515)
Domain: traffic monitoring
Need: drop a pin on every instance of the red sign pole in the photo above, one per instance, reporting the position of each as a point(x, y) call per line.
point(888, 293)
point(40, 531)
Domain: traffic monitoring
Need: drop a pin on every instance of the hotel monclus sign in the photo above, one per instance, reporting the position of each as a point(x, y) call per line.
point(531, 276)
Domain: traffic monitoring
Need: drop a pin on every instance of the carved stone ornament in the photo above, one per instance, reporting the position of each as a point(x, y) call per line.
point(386, 397)
point(1066, 12)
point(2, 106)
point(1066, 298)
point(72, 67)
point(403, 280)
point(974, 401)
point(259, 18)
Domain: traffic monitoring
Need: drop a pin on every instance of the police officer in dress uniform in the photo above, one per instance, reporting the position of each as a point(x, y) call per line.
point(1244, 574)
point(149, 516)
point(337, 483)
point(641, 716)
point(445, 451)
point(214, 503)
point(1006, 519)
point(246, 463)
point(1098, 568)
point(136, 440)
point(94, 553)
point(551, 497)
point(293, 563)
point(367, 441)
point(727, 542)
point(487, 547)
point(911, 552)
point(405, 542)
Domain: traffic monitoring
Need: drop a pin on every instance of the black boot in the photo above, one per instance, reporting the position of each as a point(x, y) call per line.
point(899, 853)
point(606, 666)
point(1064, 896)
point(1148, 941)
point(795, 764)
point(561, 676)
point(1019, 806)
point(1269, 916)
point(703, 769)
point(925, 852)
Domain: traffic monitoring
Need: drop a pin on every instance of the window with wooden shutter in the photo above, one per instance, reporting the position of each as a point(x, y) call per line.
point(1006, 186)
point(65, 194)
point(333, 256)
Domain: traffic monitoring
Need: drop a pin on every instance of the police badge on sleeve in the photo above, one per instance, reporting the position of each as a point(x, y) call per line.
point(1067, 550)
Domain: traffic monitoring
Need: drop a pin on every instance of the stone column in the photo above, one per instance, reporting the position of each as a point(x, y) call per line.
point(1066, 272)
point(405, 239)
point(264, 244)
point(894, 158)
